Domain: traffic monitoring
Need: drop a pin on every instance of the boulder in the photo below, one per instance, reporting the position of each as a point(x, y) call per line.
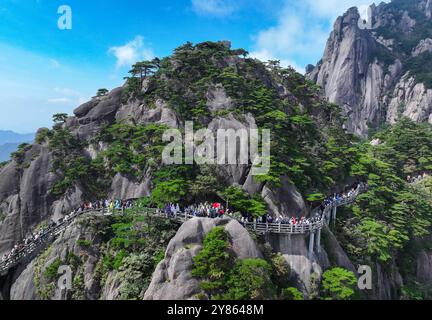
point(172, 279)
point(217, 98)
point(285, 201)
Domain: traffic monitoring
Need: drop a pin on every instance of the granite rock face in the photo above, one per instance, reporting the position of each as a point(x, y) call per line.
point(32, 283)
point(366, 70)
point(25, 195)
point(172, 279)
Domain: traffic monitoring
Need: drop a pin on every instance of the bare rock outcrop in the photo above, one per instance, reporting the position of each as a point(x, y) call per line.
point(172, 279)
point(410, 99)
point(32, 283)
point(294, 248)
point(366, 71)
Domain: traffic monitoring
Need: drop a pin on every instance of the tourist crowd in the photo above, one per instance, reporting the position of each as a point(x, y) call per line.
point(206, 209)
point(340, 198)
point(417, 178)
point(108, 205)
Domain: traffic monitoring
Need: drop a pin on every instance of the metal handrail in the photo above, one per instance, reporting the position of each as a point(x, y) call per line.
point(280, 228)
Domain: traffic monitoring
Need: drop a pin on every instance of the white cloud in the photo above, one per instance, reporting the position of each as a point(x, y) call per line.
point(68, 97)
point(334, 8)
point(131, 52)
point(214, 7)
point(59, 101)
point(290, 38)
point(67, 92)
point(265, 55)
point(301, 31)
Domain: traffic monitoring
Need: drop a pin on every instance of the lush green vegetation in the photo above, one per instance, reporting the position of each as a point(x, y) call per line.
point(41, 135)
point(73, 167)
point(241, 201)
point(407, 147)
point(50, 272)
point(46, 275)
point(102, 92)
point(338, 284)
point(392, 215)
point(133, 148)
point(223, 276)
point(421, 68)
point(84, 243)
point(250, 280)
point(214, 263)
point(19, 155)
point(135, 244)
point(308, 144)
point(404, 42)
point(309, 147)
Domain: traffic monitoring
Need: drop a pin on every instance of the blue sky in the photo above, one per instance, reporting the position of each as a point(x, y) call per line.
point(45, 70)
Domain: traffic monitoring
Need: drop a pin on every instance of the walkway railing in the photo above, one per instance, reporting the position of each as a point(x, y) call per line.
point(49, 236)
point(283, 227)
point(32, 247)
point(40, 243)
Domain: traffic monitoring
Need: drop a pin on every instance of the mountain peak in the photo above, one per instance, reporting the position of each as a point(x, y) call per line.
point(380, 70)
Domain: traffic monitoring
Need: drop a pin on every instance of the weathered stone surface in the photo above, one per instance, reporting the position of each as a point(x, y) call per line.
point(424, 267)
point(67, 244)
point(347, 73)
point(105, 109)
point(294, 249)
point(172, 279)
point(23, 192)
point(424, 46)
point(24, 288)
point(355, 72)
point(284, 201)
point(217, 98)
point(335, 253)
point(73, 198)
point(111, 290)
point(137, 113)
point(85, 108)
point(410, 99)
point(129, 188)
point(387, 282)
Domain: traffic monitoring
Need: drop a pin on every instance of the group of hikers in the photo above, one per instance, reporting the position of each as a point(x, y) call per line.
point(298, 220)
point(108, 205)
point(33, 237)
point(206, 209)
point(417, 178)
point(339, 198)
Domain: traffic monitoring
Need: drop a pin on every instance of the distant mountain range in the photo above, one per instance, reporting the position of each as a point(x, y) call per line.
point(9, 142)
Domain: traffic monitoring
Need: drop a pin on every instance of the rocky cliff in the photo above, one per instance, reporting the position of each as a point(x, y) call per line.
point(379, 70)
point(111, 148)
point(82, 157)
